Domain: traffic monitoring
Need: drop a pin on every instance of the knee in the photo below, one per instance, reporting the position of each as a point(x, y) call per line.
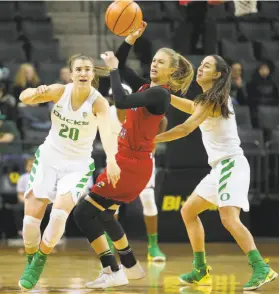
point(58, 215)
point(31, 231)
point(55, 228)
point(83, 212)
point(147, 198)
point(229, 222)
point(186, 213)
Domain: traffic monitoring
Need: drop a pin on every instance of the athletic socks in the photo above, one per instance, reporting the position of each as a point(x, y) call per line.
point(153, 240)
point(254, 257)
point(127, 257)
point(199, 259)
point(108, 259)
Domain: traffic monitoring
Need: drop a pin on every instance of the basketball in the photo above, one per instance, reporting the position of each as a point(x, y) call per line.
point(122, 17)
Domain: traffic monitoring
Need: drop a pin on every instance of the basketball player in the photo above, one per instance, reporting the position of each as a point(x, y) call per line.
point(144, 111)
point(147, 196)
point(63, 162)
point(227, 184)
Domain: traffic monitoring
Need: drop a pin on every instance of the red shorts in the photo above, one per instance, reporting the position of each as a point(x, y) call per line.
point(136, 170)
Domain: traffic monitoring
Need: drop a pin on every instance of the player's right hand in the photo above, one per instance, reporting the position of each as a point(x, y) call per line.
point(42, 89)
point(113, 172)
point(138, 32)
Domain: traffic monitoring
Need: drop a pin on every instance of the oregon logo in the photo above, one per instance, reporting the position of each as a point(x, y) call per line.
point(225, 196)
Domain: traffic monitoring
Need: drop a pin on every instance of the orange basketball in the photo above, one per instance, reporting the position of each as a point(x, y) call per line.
point(122, 17)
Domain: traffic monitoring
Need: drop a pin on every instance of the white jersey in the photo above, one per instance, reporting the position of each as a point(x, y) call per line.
point(220, 137)
point(72, 132)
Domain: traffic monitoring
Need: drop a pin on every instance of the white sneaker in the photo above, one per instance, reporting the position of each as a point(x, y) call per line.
point(107, 279)
point(135, 273)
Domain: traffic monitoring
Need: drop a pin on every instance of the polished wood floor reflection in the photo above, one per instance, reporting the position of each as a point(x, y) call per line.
point(75, 263)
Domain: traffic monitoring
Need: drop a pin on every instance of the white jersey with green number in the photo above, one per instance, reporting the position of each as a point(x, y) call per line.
point(72, 132)
point(220, 137)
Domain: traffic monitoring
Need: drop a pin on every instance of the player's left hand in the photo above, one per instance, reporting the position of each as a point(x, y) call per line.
point(110, 59)
point(113, 173)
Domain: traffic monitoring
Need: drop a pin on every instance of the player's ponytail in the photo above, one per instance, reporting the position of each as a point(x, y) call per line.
point(183, 73)
point(99, 71)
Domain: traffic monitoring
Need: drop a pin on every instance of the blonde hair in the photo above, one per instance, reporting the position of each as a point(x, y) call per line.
point(20, 78)
point(99, 71)
point(182, 77)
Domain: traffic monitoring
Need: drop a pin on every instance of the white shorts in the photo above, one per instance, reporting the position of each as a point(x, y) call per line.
point(53, 175)
point(227, 184)
point(151, 183)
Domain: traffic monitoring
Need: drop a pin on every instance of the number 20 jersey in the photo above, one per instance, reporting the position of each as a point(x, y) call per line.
point(72, 132)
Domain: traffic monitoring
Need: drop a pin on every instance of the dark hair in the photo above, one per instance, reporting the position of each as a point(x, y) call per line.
point(99, 71)
point(218, 95)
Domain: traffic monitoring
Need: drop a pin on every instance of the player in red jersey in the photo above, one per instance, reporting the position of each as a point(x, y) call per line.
point(145, 109)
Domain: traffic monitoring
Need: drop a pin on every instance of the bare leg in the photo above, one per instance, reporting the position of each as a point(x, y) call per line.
point(190, 211)
point(230, 218)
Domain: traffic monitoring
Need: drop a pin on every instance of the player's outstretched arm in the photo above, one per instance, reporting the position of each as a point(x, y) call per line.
point(129, 75)
point(109, 142)
point(42, 94)
point(155, 96)
point(200, 114)
point(183, 104)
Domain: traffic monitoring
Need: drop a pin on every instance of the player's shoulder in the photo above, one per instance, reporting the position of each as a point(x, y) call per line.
point(95, 92)
point(100, 104)
point(161, 92)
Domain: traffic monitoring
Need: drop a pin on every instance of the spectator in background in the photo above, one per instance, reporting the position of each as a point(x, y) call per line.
point(22, 184)
point(8, 133)
point(7, 103)
point(26, 77)
point(64, 76)
point(262, 90)
point(238, 91)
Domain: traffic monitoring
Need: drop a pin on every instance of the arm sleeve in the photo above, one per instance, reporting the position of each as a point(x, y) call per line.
point(155, 99)
point(127, 74)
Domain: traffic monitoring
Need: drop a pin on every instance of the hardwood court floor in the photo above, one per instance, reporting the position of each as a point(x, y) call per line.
point(75, 263)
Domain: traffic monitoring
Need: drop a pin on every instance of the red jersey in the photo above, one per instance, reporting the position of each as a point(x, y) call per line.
point(140, 128)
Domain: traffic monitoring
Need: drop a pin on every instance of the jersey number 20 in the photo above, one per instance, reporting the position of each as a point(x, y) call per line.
point(67, 132)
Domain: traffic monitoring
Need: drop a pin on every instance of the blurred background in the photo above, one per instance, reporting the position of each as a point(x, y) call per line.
point(37, 38)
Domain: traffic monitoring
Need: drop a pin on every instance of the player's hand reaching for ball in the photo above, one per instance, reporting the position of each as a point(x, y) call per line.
point(134, 35)
point(113, 172)
point(42, 89)
point(110, 59)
